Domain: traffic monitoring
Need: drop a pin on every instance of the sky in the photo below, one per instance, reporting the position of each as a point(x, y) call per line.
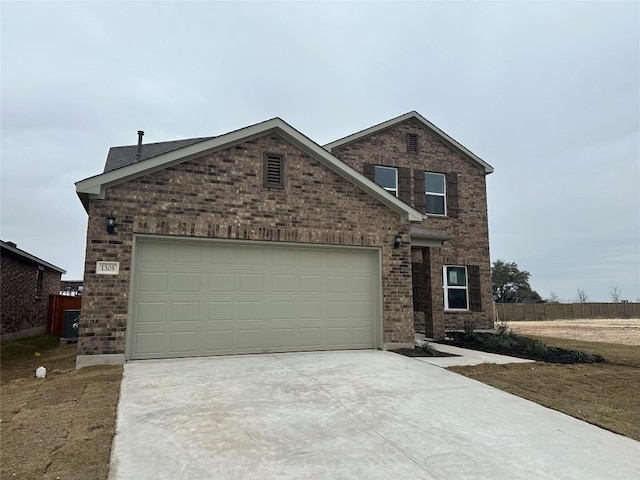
point(548, 93)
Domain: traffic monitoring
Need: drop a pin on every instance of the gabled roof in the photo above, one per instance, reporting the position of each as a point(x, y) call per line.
point(12, 248)
point(122, 156)
point(94, 187)
point(426, 123)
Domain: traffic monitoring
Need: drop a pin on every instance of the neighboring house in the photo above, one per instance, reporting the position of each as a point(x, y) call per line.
point(71, 288)
point(27, 282)
point(261, 240)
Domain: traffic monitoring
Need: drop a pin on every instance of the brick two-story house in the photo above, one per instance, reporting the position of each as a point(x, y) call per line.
point(261, 240)
point(25, 286)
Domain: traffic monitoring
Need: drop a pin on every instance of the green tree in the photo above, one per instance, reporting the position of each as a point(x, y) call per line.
point(511, 285)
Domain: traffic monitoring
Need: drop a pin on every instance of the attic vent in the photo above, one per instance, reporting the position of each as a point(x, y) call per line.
point(273, 170)
point(412, 143)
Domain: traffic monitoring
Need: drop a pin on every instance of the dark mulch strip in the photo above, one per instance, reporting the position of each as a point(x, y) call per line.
point(518, 346)
point(411, 352)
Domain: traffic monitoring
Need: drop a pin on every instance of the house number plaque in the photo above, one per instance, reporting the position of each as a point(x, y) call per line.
point(107, 268)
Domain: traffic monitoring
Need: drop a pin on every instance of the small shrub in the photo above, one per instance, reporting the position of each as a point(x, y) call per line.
point(425, 348)
point(503, 330)
point(537, 349)
point(500, 342)
point(470, 331)
point(582, 357)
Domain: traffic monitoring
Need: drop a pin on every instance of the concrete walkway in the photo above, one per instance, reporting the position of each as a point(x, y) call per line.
point(345, 415)
point(466, 357)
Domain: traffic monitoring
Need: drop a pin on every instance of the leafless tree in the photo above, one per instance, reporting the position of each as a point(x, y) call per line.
point(582, 296)
point(615, 293)
point(553, 298)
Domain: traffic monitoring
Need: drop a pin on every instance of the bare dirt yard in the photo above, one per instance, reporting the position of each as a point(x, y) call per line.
point(623, 331)
point(59, 427)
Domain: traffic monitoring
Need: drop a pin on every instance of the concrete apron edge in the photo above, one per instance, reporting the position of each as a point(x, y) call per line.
point(102, 359)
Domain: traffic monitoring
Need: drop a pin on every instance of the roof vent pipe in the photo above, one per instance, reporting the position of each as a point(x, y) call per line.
point(139, 152)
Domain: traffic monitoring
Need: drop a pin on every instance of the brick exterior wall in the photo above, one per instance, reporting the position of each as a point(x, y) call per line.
point(21, 308)
point(470, 231)
point(221, 195)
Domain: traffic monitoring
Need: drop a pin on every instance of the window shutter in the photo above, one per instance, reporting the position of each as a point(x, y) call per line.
point(418, 190)
point(404, 184)
point(412, 143)
point(273, 170)
point(453, 209)
point(369, 170)
point(419, 287)
point(475, 294)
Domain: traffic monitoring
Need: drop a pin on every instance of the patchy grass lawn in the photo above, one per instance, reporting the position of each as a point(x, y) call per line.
point(60, 426)
point(604, 394)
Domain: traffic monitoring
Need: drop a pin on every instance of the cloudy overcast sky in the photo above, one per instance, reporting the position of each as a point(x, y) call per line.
point(546, 92)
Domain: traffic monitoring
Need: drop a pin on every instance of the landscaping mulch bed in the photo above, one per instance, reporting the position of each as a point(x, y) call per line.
point(418, 352)
point(518, 346)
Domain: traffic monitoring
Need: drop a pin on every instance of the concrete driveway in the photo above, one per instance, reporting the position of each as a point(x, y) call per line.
point(345, 415)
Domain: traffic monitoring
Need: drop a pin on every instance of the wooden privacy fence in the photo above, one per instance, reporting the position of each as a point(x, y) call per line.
point(57, 305)
point(565, 311)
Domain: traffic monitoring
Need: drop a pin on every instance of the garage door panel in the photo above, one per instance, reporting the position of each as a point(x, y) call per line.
point(183, 343)
point(222, 282)
point(282, 338)
point(362, 335)
point(221, 311)
point(309, 337)
point(149, 344)
point(337, 337)
point(252, 256)
point(362, 310)
point(309, 310)
point(309, 283)
point(251, 282)
point(153, 282)
point(249, 311)
point(250, 340)
point(337, 284)
point(222, 255)
point(361, 284)
point(283, 283)
point(282, 258)
point(186, 282)
point(152, 312)
point(282, 310)
point(186, 311)
point(188, 254)
point(154, 252)
point(338, 309)
point(202, 298)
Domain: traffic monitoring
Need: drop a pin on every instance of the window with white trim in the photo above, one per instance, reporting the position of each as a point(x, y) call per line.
point(456, 287)
point(387, 178)
point(435, 192)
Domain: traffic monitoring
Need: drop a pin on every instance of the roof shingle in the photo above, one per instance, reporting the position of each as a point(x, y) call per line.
point(119, 157)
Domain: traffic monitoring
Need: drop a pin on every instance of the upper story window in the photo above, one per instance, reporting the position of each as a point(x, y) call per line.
point(435, 194)
point(456, 291)
point(273, 170)
point(412, 143)
point(387, 178)
point(39, 281)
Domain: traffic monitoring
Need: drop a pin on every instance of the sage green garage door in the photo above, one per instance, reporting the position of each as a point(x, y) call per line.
point(195, 298)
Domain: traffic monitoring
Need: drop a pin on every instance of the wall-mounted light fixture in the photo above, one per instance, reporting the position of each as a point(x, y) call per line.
point(397, 240)
point(111, 224)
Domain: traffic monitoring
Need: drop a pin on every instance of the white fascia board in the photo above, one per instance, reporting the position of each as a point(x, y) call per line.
point(412, 115)
point(95, 186)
